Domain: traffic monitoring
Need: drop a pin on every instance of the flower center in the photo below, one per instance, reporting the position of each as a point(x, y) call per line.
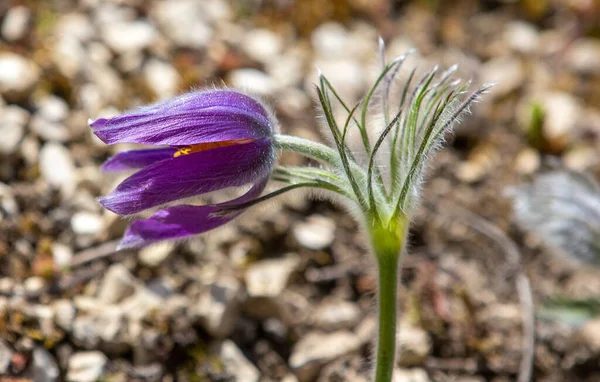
point(185, 150)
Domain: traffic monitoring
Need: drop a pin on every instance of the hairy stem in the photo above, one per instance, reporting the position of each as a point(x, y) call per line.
point(386, 343)
point(387, 239)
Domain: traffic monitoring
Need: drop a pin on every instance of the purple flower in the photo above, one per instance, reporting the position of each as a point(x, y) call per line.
point(210, 140)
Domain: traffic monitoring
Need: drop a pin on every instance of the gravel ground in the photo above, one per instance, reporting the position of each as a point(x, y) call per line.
point(286, 293)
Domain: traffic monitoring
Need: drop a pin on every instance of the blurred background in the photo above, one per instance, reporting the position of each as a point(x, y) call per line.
point(286, 294)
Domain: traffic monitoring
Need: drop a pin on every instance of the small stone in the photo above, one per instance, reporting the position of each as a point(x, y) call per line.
point(57, 167)
point(268, 278)
point(154, 255)
point(316, 233)
point(43, 366)
point(162, 78)
point(414, 345)
point(411, 375)
point(506, 72)
point(69, 55)
point(590, 335)
point(522, 37)
point(13, 120)
point(335, 315)
point(117, 285)
point(183, 22)
point(123, 37)
point(34, 285)
point(18, 75)
point(76, 26)
point(583, 56)
point(331, 40)
point(218, 307)
point(346, 75)
point(252, 80)
point(53, 108)
point(86, 366)
point(50, 131)
point(64, 314)
point(288, 72)
point(236, 364)
point(580, 158)
point(16, 23)
point(561, 112)
point(7, 285)
point(262, 45)
point(5, 356)
point(87, 223)
point(142, 304)
point(61, 255)
point(317, 349)
point(527, 161)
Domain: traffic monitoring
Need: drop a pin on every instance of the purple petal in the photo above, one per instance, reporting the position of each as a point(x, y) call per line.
point(190, 175)
point(205, 116)
point(184, 221)
point(134, 159)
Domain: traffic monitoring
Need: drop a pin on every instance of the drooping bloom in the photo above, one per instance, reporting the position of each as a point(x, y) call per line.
point(207, 141)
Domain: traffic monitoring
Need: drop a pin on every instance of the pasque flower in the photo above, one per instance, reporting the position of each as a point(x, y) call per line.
point(205, 141)
point(218, 139)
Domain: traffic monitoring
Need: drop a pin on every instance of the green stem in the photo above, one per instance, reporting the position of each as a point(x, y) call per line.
point(387, 240)
point(388, 288)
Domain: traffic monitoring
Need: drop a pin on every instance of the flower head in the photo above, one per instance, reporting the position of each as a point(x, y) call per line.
point(209, 140)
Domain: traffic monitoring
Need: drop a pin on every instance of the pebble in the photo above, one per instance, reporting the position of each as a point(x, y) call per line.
point(522, 37)
point(251, 80)
point(580, 158)
point(57, 167)
point(61, 255)
point(316, 349)
point(219, 305)
point(590, 335)
point(162, 78)
point(34, 285)
point(141, 304)
point(154, 255)
point(13, 120)
point(527, 161)
point(561, 112)
point(18, 75)
point(16, 23)
point(5, 356)
point(69, 55)
point(410, 375)
point(414, 345)
point(43, 366)
point(124, 37)
point(335, 315)
point(317, 232)
point(64, 314)
point(331, 40)
point(76, 26)
point(53, 108)
point(118, 284)
point(583, 56)
point(236, 364)
point(87, 223)
point(268, 278)
point(347, 76)
point(262, 45)
point(183, 21)
point(50, 131)
point(288, 72)
point(507, 73)
point(87, 366)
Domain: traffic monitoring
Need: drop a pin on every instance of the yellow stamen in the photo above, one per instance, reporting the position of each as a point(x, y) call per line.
point(209, 145)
